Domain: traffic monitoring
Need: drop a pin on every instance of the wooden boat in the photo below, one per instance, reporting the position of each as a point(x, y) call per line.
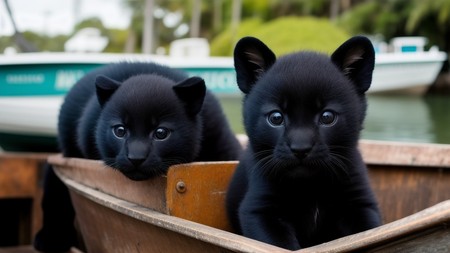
point(184, 211)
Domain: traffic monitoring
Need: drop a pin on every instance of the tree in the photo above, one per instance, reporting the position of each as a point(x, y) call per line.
point(91, 22)
point(148, 34)
point(287, 39)
point(196, 18)
point(431, 18)
point(393, 18)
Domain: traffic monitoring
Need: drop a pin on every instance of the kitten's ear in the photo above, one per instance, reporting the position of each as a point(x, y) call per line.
point(105, 87)
point(251, 59)
point(356, 58)
point(192, 92)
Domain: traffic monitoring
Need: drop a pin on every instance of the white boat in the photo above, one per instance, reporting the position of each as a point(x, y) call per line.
point(406, 67)
point(32, 85)
point(406, 73)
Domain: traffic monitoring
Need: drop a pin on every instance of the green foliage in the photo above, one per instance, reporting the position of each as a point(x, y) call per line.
point(46, 43)
point(269, 20)
point(284, 35)
point(56, 43)
point(117, 39)
point(91, 22)
point(440, 9)
point(223, 44)
point(376, 17)
point(361, 19)
point(254, 8)
point(393, 18)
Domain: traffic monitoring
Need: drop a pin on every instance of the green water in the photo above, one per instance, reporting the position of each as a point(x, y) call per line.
point(389, 117)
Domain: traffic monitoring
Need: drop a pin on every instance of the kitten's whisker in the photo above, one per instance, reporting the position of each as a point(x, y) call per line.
point(339, 167)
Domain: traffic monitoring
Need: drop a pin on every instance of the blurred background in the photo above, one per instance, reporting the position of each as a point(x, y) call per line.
point(299, 24)
point(150, 27)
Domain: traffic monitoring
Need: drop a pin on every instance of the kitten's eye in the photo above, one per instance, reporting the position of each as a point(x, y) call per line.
point(119, 131)
point(328, 118)
point(275, 118)
point(161, 133)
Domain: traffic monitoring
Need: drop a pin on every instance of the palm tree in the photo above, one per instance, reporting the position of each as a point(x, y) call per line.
point(423, 9)
point(433, 19)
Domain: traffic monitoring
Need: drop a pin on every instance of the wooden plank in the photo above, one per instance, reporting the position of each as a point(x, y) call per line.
point(405, 154)
point(147, 193)
point(18, 177)
point(407, 177)
point(126, 234)
point(404, 190)
point(21, 178)
point(196, 192)
point(108, 226)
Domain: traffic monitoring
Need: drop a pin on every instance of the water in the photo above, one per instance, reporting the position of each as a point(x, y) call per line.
point(408, 118)
point(389, 117)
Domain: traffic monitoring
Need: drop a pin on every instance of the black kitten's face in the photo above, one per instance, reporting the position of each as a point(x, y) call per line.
point(300, 121)
point(144, 130)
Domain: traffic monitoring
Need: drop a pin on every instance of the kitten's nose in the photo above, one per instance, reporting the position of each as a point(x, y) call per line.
point(137, 152)
point(301, 151)
point(136, 162)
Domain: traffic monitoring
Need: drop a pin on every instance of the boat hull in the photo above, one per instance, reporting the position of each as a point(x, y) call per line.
point(406, 73)
point(29, 123)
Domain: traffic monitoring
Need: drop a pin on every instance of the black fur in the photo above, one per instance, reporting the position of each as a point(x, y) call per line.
point(302, 180)
point(139, 118)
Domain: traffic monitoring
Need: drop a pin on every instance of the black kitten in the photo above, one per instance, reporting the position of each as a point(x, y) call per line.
point(302, 180)
point(139, 118)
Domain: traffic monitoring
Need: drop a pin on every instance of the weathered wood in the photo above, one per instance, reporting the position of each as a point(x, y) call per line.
point(21, 178)
point(19, 174)
point(402, 190)
point(109, 224)
point(405, 154)
point(195, 192)
point(202, 201)
point(407, 177)
point(148, 193)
